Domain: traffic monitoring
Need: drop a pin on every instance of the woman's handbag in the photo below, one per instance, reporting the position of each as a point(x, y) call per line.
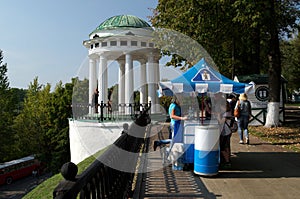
point(234, 127)
point(237, 110)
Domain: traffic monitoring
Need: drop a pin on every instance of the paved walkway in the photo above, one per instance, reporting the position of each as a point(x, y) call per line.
point(259, 170)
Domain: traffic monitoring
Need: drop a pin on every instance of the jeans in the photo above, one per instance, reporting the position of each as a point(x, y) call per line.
point(177, 132)
point(242, 123)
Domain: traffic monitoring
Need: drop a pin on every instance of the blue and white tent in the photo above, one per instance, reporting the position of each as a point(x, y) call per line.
point(202, 78)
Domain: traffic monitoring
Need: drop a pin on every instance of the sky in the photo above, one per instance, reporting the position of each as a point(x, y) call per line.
point(44, 39)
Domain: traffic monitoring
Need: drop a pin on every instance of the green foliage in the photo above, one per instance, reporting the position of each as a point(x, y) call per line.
point(80, 98)
point(80, 91)
point(165, 102)
point(4, 84)
point(60, 111)
point(6, 115)
point(17, 99)
point(291, 63)
point(42, 126)
point(235, 33)
point(11, 106)
point(33, 122)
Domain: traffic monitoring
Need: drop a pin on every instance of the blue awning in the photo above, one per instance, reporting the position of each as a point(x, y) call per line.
point(202, 78)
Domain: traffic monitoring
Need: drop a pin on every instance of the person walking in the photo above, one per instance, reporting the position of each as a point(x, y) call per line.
point(244, 107)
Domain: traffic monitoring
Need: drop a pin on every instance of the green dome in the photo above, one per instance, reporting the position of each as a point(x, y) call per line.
point(121, 21)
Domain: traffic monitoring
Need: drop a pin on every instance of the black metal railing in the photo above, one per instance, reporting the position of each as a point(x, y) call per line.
point(262, 113)
point(108, 112)
point(101, 179)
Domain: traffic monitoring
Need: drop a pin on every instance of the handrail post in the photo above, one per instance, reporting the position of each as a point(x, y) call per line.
point(130, 110)
point(101, 111)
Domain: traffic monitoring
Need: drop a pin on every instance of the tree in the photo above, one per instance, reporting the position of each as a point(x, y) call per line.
point(214, 25)
point(291, 63)
point(35, 121)
point(274, 69)
point(17, 100)
point(42, 127)
point(58, 134)
point(80, 99)
point(11, 103)
point(4, 84)
point(32, 124)
point(265, 18)
point(241, 36)
point(5, 114)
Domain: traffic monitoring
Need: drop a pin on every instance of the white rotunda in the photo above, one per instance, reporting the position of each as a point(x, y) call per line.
point(124, 38)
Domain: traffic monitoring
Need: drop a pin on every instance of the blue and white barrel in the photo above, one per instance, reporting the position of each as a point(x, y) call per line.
point(189, 140)
point(206, 154)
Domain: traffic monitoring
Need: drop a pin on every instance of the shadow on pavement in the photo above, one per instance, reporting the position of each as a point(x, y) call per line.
point(263, 165)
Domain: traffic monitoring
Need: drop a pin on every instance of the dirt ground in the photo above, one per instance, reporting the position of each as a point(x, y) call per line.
point(286, 136)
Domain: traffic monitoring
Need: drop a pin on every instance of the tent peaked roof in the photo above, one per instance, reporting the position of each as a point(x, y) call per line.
point(202, 78)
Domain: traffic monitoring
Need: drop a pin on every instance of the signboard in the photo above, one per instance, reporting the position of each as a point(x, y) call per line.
point(259, 99)
point(262, 93)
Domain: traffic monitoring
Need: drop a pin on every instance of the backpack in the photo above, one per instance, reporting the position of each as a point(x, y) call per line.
point(245, 107)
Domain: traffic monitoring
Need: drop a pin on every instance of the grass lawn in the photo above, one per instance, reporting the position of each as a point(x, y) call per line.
point(285, 136)
point(296, 104)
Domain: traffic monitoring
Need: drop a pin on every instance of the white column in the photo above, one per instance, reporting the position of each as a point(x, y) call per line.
point(105, 81)
point(102, 79)
point(157, 79)
point(121, 87)
point(143, 77)
point(128, 79)
point(157, 73)
point(151, 82)
point(92, 82)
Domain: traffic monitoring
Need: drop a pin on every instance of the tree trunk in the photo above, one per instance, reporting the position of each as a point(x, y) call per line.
point(255, 69)
point(274, 72)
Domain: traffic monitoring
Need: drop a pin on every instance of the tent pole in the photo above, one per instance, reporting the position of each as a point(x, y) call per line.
point(202, 104)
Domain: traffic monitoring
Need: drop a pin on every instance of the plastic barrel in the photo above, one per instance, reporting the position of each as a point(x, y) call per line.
point(206, 154)
point(188, 140)
point(188, 153)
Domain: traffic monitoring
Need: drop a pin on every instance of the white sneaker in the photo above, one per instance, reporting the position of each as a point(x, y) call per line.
point(247, 140)
point(241, 142)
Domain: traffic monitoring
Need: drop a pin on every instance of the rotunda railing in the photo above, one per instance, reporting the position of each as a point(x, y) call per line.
point(108, 112)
